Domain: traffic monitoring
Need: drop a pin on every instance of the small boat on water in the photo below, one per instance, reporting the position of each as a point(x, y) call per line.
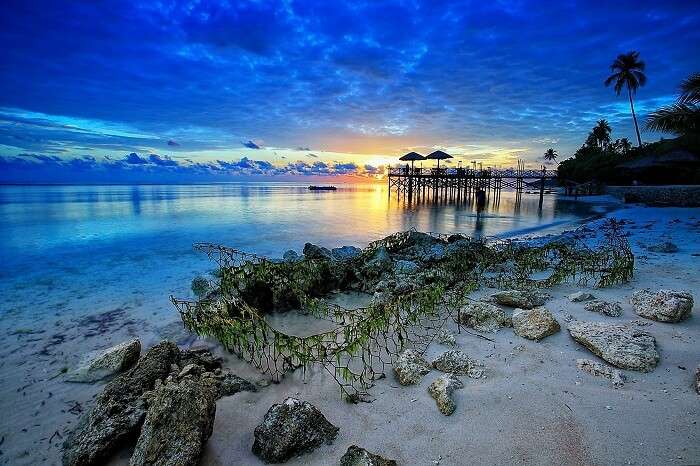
point(322, 188)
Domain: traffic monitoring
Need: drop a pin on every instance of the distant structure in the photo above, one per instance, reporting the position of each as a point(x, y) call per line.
point(458, 184)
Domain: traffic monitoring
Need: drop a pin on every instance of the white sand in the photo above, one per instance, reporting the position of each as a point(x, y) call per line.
point(534, 407)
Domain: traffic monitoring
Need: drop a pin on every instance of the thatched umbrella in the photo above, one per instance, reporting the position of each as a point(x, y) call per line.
point(412, 156)
point(439, 155)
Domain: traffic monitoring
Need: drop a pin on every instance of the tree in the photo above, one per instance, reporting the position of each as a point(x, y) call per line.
point(600, 134)
point(550, 155)
point(682, 117)
point(628, 71)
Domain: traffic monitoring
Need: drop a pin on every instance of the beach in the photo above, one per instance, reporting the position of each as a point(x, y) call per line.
point(533, 407)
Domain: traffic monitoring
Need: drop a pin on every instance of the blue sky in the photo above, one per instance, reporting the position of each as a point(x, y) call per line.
point(194, 91)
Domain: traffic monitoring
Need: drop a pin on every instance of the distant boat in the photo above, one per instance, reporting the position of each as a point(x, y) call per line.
point(322, 188)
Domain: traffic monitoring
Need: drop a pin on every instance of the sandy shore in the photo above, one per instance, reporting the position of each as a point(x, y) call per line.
point(534, 406)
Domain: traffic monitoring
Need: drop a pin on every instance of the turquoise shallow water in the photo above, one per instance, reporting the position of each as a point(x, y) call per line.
point(85, 249)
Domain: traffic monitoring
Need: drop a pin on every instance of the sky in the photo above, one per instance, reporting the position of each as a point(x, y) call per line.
point(195, 91)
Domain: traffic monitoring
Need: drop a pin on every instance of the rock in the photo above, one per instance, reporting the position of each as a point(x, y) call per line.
point(345, 253)
point(379, 263)
point(483, 317)
point(356, 456)
point(663, 305)
point(534, 324)
point(405, 267)
point(664, 247)
point(697, 380)
point(232, 384)
point(604, 307)
point(580, 296)
point(410, 367)
point(200, 357)
point(291, 256)
point(601, 370)
point(457, 362)
point(441, 390)
point(420, 247)
point(119, 410)
point(291, 429)
point(520, 299)
point(446, 338)
point(179, 422)
point(619, 345)
point(100, 364)
point(311, 251)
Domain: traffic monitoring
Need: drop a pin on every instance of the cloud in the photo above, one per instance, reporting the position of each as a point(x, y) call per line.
point(313, 156)
point(163, 161)
point(351, 77)
point(250, 145)
point(135, 159)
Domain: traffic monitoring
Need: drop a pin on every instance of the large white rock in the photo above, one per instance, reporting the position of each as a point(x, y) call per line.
point(534, 324)
point(520, 299)
point(441, 390)
point(484, 317)
point(604, 307)
point(100, 364)
point(459, 363)
point(663, 305)
point(621, 346)
point(410, 367)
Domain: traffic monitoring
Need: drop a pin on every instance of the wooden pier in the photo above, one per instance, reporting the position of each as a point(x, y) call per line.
point(460, 184)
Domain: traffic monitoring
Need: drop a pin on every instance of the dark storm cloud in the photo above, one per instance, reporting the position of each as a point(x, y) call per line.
point(213, 73)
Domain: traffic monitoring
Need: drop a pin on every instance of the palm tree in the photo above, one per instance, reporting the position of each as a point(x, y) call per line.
point(550, 155)
point(628, 71)
point(601, 133)
point(625, 145)
point(682, 117)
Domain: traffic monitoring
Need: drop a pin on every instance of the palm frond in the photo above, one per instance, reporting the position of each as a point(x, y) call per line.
point(690, 90)
point(679, 118)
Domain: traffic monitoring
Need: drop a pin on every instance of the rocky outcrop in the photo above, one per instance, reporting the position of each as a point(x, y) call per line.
point(484, 317)
point(410, 367)
point(534, 324)
point(345, 253)
point(421, 247)
point(441, 390)
point(663, 305)
point(604, 308)
point(378, 264)
point(580, 296)
point(457, 362)
point(312, 251)
point(230, 384)
point(291, 256)
point(179, 422)
point(356, 456)
point(403, 267)
point(446, 338)
point(119, 410)
point(520, 299)
point(601, 370)
point(619, 345)
point(100, 364)
point(290, 429)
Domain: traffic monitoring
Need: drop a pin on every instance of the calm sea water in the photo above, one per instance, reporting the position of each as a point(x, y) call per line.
point(69, 250)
